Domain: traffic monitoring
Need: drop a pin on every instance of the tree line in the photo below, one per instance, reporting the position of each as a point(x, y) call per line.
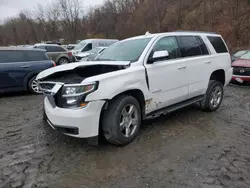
point(71, 20)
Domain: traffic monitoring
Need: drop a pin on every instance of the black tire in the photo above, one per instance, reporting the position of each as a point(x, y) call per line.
point(111, 118)
point(31, 87)
point(63, 61)
point(206, 104)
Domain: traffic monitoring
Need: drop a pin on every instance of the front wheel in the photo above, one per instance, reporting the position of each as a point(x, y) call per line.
point(213, 97)
point(121, 121)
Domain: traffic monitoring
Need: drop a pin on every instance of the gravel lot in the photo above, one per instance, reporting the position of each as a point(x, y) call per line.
point(188, 148)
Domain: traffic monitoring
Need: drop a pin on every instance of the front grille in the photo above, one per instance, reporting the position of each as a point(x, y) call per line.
point(241, 71)
point(46, 86)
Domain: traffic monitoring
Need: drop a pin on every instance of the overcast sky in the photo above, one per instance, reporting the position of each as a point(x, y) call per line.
point(9, 8)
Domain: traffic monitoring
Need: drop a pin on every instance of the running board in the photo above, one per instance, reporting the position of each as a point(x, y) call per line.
point(175, 107)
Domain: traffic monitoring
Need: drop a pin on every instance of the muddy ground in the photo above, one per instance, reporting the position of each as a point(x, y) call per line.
point(188, 148)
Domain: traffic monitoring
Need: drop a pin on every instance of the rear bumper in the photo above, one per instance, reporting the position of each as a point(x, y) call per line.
point(229, 75)
point(82, 123)
point(244, 78)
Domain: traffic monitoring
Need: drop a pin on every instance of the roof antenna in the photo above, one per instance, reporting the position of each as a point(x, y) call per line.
point(147, 33)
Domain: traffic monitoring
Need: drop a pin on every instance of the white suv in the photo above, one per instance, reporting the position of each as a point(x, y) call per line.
point(135, 79)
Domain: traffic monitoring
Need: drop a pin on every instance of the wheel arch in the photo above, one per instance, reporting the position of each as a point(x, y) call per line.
point(136, 93)
point(60, 57)
point(28, 77)
point(219, 75)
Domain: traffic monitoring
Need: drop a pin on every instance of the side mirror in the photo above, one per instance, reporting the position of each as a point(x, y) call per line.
point(159, 55)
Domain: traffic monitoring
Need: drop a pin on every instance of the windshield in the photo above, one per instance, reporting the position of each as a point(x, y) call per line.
point(246, 55)
point(240, 53)
point(80, 45)
point(129, 50)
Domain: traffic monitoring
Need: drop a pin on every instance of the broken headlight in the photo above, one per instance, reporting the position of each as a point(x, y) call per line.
point(73, 95)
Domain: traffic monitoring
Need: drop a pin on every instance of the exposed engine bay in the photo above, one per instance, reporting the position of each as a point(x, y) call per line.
point(80, 73)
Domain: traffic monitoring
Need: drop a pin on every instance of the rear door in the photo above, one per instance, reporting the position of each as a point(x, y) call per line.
point(13, 68)
point(197, 60)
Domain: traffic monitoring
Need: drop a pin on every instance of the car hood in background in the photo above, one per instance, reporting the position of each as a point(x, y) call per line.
point(72, 66)
point(241, 63)
point(82, 54)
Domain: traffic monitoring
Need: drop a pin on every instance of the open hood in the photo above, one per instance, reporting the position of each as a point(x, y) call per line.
point(90, 65)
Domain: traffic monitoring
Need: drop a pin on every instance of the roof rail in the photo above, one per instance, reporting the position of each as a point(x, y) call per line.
point(196, 31)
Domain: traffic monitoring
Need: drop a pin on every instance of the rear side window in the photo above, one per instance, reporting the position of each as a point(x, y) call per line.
point(54, 49)
point(36, 56)
point(11, 56)
point(218, 44)
point(189, 45)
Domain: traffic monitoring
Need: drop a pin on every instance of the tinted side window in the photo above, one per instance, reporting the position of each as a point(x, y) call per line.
point(10, 56)
point(189, 46)
point(87, 47)
point(169, 44)
point(203, 46)
point(218, 44)
point(36, 56)
point(54, 49)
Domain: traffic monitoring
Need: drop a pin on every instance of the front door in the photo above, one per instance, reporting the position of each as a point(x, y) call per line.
point(168, 82)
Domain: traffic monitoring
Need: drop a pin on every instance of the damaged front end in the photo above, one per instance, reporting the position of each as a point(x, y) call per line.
point(65, 87)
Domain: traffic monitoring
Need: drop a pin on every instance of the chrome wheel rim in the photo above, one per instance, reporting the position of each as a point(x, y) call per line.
point(34, 86)
point(129, 120)
point(63, 61)
point(216, 97)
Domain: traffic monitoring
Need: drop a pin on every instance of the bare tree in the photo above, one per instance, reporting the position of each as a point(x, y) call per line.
point(125, 18)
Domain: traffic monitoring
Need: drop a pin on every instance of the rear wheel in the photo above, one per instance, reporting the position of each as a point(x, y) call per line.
point(213, 96)
point(121, 121)
point(33, 86)
point(63, 61)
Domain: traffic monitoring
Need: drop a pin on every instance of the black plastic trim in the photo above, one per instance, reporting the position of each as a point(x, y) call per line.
point(177, 106)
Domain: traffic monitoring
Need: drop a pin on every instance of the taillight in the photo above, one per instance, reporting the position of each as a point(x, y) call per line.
point(54, 64)
point(69, 54)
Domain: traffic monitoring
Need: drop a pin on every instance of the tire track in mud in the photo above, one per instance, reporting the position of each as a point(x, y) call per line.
point(188, 148)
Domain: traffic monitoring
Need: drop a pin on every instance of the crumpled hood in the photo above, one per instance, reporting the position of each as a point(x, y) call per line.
point(72, 66)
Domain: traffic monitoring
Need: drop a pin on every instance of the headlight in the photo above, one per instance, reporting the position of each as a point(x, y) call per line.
point(73, 95)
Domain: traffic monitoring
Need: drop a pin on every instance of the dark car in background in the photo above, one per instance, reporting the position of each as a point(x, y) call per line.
point(19, 68)
point(238, 54)
point(241, 69)
point(57, 53)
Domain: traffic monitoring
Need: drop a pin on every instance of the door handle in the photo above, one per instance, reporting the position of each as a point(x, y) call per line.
point(25, 66)
point(182, 67)
point(207, 62)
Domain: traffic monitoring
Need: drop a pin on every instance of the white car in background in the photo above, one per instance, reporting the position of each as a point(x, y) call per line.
point(87, 56)
point(89, 44)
